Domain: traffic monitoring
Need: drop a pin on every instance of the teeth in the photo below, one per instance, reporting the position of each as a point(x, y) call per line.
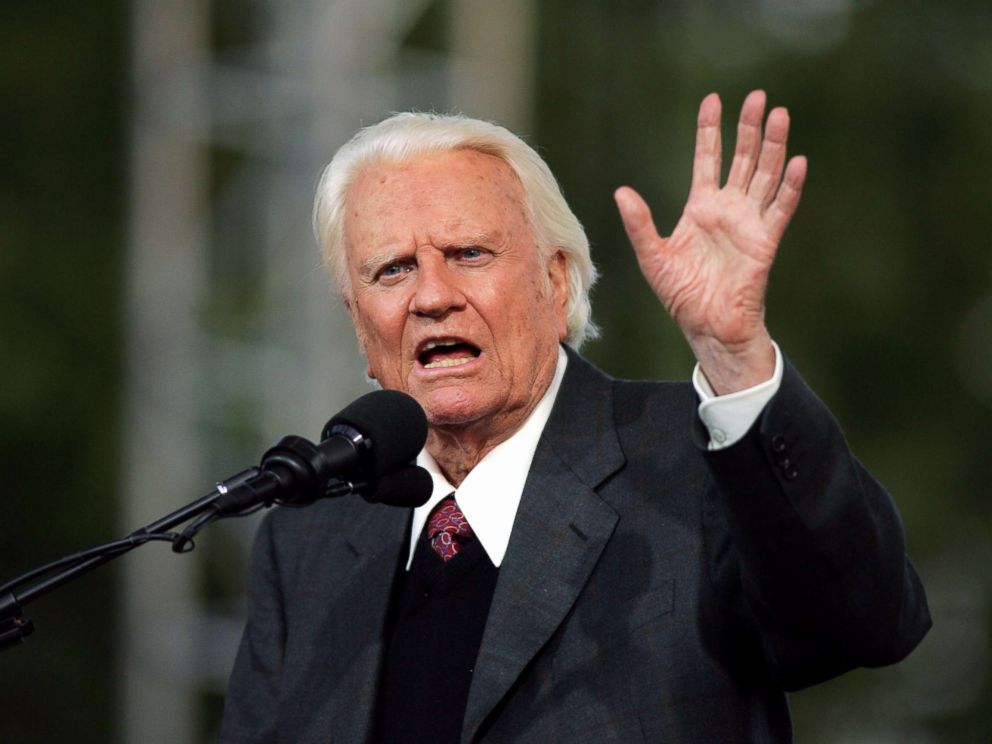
point(434, 344)
point(448, 362)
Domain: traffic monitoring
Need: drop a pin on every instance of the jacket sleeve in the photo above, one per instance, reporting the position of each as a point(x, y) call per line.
point(818, 542)
point(251, 703)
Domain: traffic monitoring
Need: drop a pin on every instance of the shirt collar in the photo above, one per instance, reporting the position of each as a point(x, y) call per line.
point(490, 494)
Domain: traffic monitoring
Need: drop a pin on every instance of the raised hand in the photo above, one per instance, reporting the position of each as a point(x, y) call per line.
point(711, 273)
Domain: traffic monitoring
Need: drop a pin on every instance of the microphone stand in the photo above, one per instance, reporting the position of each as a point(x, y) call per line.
point(239, 495)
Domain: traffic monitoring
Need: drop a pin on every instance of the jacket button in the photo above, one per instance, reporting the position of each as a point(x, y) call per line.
point(778, 443)
point(791, 473)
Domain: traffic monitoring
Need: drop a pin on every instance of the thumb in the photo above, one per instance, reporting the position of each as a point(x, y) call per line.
point(637, 222)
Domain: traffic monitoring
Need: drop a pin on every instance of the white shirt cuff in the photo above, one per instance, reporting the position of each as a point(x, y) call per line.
point(729, 417)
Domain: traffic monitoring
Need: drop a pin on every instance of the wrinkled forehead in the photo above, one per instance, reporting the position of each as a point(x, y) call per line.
point(452, 190)
point(464, 170)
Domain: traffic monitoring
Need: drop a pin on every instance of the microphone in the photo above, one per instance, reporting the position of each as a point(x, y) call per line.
point(374, 439)
point(409, 486)
point(374, 436)
point(387, 428)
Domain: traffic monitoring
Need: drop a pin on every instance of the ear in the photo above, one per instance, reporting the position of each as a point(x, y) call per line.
point(558, 281)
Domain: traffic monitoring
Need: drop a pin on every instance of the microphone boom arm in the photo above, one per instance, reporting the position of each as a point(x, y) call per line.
point(230, 498)
point(293, 472)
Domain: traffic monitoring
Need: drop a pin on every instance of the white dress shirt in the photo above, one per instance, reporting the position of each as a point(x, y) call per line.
point(490, 494)
point(728, 417)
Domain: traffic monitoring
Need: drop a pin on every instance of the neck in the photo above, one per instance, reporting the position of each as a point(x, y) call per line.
point(459, 449)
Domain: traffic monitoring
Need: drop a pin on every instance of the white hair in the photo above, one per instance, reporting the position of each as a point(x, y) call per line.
point(407, 135)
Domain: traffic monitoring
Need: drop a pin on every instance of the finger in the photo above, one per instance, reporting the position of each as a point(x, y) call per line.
point(768, 174)
point(706, 163)
point(637, 221)
point(783, 207)
point(748, 140)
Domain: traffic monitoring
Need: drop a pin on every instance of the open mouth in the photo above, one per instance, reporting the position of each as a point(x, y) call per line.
point(447, 353)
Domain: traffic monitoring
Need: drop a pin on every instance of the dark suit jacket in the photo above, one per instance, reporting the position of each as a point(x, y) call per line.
point(651, 591)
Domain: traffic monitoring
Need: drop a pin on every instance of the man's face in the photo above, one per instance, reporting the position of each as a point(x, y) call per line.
point(450, 300)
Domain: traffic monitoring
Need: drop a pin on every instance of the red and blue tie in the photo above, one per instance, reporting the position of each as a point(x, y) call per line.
point(447, 529)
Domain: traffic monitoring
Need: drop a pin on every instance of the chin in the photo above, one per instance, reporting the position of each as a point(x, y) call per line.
point(451, 407)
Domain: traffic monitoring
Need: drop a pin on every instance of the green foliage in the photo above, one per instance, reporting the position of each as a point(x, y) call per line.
point(61, 73)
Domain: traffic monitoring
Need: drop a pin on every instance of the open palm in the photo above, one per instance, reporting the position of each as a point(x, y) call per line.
point(712, 271)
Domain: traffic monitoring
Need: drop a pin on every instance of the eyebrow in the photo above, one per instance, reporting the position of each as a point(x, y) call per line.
point(371, 265)
point(480, 238)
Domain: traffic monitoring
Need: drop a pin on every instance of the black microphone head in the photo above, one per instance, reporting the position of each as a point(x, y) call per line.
point(394, 423)
point(409, 486)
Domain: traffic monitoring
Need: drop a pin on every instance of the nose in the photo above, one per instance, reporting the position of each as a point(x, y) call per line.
point(436, 290)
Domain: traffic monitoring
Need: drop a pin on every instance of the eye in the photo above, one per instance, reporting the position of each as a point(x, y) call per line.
point(393, 271)
point(473, 254)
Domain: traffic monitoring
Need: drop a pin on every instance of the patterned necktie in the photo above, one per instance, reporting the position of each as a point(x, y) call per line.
point(447, 529)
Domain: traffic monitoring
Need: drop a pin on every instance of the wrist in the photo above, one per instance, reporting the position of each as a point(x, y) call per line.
point(730, 368)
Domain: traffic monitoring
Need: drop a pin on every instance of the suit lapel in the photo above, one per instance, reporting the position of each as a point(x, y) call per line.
point(561, 529)
point(361, 566)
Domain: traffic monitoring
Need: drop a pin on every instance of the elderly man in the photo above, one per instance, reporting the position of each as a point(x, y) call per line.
point(600, 560)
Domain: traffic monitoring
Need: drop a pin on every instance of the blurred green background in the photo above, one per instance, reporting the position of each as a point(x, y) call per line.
point(881, 295)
